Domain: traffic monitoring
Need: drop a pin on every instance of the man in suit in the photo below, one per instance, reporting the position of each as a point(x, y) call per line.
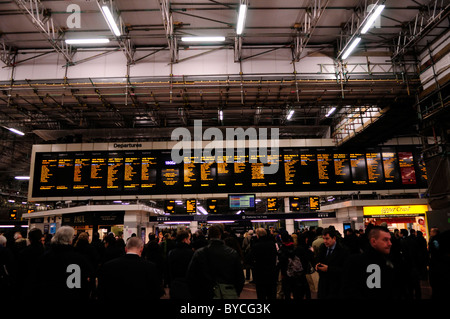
point(331, 259)
point(130, 276)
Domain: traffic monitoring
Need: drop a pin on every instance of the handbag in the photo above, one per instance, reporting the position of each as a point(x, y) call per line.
point(221, 290)
point(224, 291)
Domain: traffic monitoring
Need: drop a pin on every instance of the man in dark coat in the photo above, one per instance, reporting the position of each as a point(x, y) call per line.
point(63, 273)
point(331, 259)
point(178, 262)
point(263, 256)
point(129, 276)
point(213, 263)
point(373, 275)
point(27, 260)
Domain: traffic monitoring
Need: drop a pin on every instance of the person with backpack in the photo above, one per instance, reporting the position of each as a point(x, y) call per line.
point(293, 264)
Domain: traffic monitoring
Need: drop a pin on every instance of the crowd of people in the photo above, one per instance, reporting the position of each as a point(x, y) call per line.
point(374, 263)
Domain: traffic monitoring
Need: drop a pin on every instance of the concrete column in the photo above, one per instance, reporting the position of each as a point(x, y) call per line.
point(290, 226)
point(130, 225)
point(193, 226)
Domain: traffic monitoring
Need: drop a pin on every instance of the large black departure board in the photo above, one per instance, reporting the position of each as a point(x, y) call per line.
point(153, 172)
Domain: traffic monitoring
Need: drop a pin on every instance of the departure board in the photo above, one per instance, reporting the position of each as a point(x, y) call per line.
point(153, 172)
point(295, 204)
point(225, 168)
point(314, 203)
point(358, 168)
point(115, 172)
point(169, 206)
point(211, 205)
point(99, 173)
point(148, 171)
point(191, 206)
point(64, 173)
point(291, 161)
point(132, 172)
point(272, 204)
point(308, 167)
point(390, 167)
point(208, 172)
point(191, 174)
point(374, 168)
point(241, 172)
point(81, 173)
point(325, 168)
point(342, 175)
point(407, 171)
point(47, 165)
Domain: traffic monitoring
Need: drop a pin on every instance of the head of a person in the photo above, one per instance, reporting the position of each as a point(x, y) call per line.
point(83, 238)
point(380, 239)
point(183, 236)
point(35, 236)
point(261, 232)
point(214, 232)
point(329, 237)
point(134, 245)
point(3, 241)
point(63, 236)
point(434, 231)
point(403, 233)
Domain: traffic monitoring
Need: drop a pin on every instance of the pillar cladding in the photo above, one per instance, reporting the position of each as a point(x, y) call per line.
point(438, 171)
point(130, 224)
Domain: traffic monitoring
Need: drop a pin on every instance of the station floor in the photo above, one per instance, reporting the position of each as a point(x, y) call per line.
point(249, 291)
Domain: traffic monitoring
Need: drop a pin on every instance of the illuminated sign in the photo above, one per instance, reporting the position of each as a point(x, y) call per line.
point(395, 210)
point(314, 202)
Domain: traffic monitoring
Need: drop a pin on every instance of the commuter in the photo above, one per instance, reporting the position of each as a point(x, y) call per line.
point(199, 240)
point(409, 252)
point(166, 246)
point(8, 272)
point(263, 259)
point(331, 259)
point(433, 257)
point(59, 267)
point(214, 264)
point(246, 247)
point(178, 262)
point(440, 265)
point(292, 264)
point(373, 275)
point(113, 249)
point(350, 241)
point(318, 241)
point(422, 254)
point(136, 277)
point(27, 260)
point(231, 241)
point(153, 253)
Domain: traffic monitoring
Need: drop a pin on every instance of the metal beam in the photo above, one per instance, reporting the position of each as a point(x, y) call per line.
point(429, 17)
point(306, 27)
point(43, 21)
point(168, 26)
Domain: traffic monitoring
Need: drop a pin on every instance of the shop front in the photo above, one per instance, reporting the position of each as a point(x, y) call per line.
point(398, 217)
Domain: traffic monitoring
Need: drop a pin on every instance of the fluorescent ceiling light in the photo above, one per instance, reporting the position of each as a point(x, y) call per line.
point(22, 177)
point(111, 22)
point(87, 41)
point(372, 18)
point(221, 221)
point(330, 112)
point(290, 114)
point(241, 18)
point(16, 131)
point(221, 115)
point(202, 39)
point(351, 48)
